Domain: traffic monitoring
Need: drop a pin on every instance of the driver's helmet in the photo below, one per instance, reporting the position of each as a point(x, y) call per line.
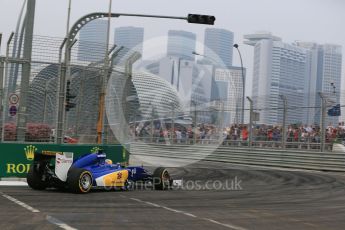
point(108, 162)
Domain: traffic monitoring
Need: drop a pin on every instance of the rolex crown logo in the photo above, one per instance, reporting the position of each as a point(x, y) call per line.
point(95, 149)
point(30, 152)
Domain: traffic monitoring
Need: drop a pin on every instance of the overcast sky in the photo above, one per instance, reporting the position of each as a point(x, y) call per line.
point(320, 21)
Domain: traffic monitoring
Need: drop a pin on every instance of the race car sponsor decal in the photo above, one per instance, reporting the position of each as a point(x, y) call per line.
point(116, 179)
point(50, 153)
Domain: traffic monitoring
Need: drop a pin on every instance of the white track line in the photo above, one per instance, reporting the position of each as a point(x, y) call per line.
point(153, 204)
point(137, 200)
point(20, 203)
point(225, 225)
point(172, 210)
point(234, 227)
point(59, 223)
point(50, 219)
point(189, 214)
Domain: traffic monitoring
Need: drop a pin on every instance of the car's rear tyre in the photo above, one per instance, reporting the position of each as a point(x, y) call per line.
point(34, 179)
point(79, 180)
point(161, 179)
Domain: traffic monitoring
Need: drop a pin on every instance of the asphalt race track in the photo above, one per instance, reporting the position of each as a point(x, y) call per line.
point(211, 196)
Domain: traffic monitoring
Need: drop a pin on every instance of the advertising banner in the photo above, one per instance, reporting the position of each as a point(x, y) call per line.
point(15, 159)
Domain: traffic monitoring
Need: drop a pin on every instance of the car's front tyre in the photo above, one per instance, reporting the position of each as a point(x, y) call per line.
point(161, 179)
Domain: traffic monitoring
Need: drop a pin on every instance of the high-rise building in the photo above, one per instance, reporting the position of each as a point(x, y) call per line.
point(92, 41)
point(310, 81)
point(191, 81)
point(324, 69)
point(227, 88)
point(181, 44)
point(130, 37)
point(299, 71)
point(279, 69)
point(329, 77)
point(219, 45)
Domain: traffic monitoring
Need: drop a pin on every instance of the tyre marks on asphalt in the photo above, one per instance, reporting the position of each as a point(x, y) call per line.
point(290, 219)
point(230, 226)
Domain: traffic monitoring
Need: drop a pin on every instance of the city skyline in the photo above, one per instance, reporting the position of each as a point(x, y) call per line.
point(319, 24)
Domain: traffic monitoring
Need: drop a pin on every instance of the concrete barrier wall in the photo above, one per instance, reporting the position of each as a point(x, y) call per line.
point(329, 161)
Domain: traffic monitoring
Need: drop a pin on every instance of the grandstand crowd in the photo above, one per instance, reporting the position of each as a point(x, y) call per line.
point(205, 133)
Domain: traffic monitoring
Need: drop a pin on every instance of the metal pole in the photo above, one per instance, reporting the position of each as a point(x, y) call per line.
point(61, 93)
point(152, 120)
point(105, 78)
point(283, 97)
point(6, 77)
point(26, 70)
point(2, 67)
point(243, 82)
point(222, 116)
point(172, 122)
point(322, 121)
point(45, 102)
point(68, 17)
point(135, 124)
point(250, 121)
point(195, 122)
point(2, 103)
point(64, 75)
point(79, 105)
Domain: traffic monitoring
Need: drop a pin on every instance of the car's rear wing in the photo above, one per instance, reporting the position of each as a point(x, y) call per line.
point(45, 155)
point(63, 161)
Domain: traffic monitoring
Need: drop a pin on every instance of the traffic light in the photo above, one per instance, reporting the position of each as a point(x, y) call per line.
point(69, 105)
point(334, 111)
point(201, 19)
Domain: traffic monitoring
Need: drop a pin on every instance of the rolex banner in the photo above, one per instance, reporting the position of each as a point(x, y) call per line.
point(15, 159)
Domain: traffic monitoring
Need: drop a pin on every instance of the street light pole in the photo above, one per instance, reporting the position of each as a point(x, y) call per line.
point(243, 82)
point(322, 121)
point(172, 122)
point(283, 97)
point(194, 122)
point(250, 122)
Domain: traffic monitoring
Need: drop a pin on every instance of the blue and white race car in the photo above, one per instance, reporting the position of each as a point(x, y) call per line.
point(59, 170)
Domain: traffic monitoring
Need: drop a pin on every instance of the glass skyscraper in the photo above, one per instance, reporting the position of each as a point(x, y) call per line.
point(329, 77)
point(219, 45)
point(181, 44)
point(279, 69)
point(130, 37)
point(299, 71)
point(92, 41)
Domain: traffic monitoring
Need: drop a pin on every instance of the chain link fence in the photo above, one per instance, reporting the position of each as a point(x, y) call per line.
point(140, 106)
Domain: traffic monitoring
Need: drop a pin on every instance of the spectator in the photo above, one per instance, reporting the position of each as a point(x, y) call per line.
point(244, 133)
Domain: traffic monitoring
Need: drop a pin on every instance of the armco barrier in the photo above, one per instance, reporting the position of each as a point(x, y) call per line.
point(328, 161)
point(15, 159)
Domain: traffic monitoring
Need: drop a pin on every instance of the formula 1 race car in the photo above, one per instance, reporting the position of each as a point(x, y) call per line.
point(88, 171)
